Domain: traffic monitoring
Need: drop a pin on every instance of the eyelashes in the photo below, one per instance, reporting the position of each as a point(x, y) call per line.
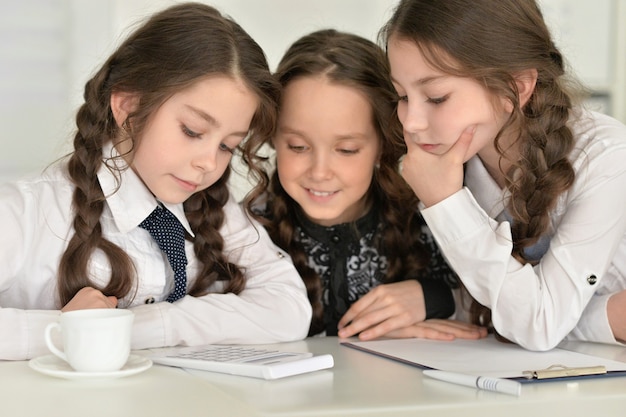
point(431, 100)
point(189, 132)
point(437, 100)
point(226, 148)
point(297, 148)
point(302, 149)
point(195, 135)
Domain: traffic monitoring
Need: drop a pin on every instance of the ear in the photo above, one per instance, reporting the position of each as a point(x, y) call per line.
point(123, 104)
point(525, 81)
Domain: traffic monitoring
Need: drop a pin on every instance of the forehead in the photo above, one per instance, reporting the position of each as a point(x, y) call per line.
point(323, 104)
point(406, 54)
point(405, 58)
point(218, 83)
point(321, 91)
point(218, 95)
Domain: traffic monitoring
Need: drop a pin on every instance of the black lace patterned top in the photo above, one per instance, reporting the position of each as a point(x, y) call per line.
point(347, 258)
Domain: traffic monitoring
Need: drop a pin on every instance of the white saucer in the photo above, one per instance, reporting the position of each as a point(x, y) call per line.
point(54, 366)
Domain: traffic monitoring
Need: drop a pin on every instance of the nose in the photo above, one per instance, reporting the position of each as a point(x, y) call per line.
point(206, 160)
point(320, 168)
point(413, 116)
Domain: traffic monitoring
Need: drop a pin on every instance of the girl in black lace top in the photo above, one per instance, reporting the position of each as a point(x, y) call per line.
point(339, 207)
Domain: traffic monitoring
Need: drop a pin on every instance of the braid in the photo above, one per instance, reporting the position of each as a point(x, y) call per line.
point(280, 224)
point(400, 234)
point(205, 212)
point(543, 171)
point(88, 204)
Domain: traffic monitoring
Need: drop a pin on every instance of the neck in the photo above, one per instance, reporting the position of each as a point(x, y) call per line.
point(498, 165)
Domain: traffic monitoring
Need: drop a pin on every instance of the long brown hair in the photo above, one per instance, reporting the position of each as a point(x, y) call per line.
point(353, 61)
point(171, 51)
point(492, 41)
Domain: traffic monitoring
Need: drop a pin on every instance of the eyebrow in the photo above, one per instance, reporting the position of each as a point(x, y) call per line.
point(290, 130)
point(423, 81)
point(346, 136)
point(211, 120)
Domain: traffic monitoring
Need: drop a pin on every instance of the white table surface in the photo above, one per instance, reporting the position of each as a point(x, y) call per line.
point(360, 384)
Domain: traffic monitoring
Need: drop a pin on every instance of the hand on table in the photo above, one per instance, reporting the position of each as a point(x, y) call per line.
point(440, 329)
point(89, 297)
point(385, 308)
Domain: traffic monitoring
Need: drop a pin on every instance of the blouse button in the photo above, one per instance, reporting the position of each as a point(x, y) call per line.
point(592, 279)
point(150, 300)
point(280, 254)
point(335, 238)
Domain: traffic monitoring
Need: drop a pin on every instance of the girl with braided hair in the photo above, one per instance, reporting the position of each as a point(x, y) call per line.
point(338, 205)
point(159, 125)
point(524, 190)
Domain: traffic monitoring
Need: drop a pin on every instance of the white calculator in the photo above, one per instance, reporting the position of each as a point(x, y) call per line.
point(242, 360)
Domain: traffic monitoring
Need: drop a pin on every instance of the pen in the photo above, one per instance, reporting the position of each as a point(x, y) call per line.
point(505, 386)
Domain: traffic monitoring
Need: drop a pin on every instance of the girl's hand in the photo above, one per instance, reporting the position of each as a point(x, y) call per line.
point(616, 311)
point(385, 308)
point(89, 297)
point(440, 329)
point(435, 177)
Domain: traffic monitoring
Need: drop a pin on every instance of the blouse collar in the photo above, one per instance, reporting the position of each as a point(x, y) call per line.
point(343, 232)
point(128, 198)
point(487, 192)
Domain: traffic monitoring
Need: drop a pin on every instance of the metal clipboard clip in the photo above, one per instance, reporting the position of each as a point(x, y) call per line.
point(560, 371)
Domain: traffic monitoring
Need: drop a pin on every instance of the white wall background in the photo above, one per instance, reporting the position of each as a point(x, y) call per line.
point(51, 47)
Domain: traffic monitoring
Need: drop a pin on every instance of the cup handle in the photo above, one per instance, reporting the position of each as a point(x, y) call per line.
point(50, 344)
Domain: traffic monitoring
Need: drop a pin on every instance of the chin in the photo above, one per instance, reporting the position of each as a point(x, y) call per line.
point(325, 220)
point(173, 199)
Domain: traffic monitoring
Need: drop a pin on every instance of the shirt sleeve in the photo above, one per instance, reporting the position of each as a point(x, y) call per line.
point(538, 306)
point(437, 279)
point(15, 206)
point(273, 307)
point(438, 299)
point(21, 331)
point(593, 325)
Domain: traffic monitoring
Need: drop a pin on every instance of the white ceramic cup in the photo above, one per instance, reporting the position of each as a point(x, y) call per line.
point(94, 340)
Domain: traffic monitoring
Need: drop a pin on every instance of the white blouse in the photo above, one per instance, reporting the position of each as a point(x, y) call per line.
point(36, 223)
point(565, 294)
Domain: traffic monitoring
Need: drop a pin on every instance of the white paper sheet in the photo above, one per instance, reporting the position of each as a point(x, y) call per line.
point(486, 357)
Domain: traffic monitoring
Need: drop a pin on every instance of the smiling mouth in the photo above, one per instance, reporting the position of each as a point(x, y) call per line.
point(321, 193)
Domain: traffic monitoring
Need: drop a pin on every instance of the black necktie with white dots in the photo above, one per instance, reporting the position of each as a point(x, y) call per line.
point(169, 234)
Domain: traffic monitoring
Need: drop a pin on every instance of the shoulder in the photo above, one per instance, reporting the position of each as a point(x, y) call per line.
point(53, 183)
point(599, 138)
point(237, 220)
point(597, 158)
point(233, 210)
point(42, 201)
